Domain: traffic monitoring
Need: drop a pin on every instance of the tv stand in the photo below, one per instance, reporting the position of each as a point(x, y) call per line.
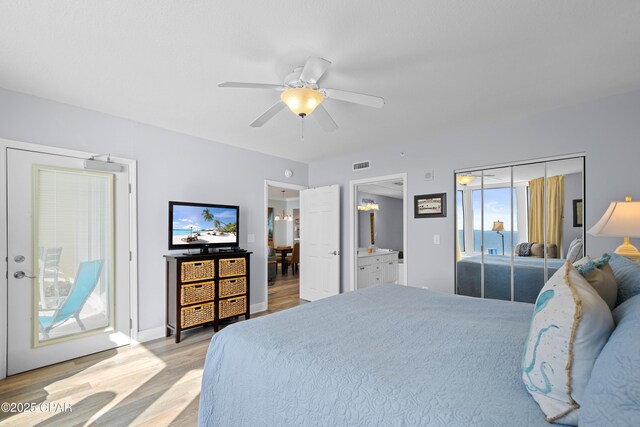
point(206, 289)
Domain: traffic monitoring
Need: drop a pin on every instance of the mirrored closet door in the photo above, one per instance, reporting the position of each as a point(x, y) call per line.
point(516, 225)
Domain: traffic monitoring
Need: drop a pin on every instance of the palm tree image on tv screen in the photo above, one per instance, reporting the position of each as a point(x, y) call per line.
point(198, 225)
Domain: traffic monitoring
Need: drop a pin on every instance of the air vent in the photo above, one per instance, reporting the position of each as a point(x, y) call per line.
point(358, 166)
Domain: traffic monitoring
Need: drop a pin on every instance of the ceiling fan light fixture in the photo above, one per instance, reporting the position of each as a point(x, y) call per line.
point(465, 179)
point(302, 101)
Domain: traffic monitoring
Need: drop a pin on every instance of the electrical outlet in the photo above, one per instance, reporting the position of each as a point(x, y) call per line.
point(251, 238)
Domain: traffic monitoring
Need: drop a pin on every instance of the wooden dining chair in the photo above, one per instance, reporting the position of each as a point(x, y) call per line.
point(294, 259)
point(272, 262)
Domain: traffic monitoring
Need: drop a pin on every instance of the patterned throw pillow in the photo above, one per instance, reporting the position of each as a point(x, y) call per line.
point(574, 253)
point(570, 325)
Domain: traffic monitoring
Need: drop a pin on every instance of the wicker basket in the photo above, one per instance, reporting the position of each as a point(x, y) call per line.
point(197, 270)
point(232, 287)
point(197, 292)
point(232, 267)
point(232, 307)
point(197, 314)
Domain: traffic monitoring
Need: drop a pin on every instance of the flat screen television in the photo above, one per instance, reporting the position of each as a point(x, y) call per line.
point(202, 226)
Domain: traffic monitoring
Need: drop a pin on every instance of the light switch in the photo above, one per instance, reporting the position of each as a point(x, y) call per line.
point(251, 238)
point(436, 239)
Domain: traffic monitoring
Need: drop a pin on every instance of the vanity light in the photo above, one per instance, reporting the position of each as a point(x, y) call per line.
point(368, 205)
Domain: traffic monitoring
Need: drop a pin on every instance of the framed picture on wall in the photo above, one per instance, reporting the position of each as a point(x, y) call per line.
point(430, 205)
point(577, 213)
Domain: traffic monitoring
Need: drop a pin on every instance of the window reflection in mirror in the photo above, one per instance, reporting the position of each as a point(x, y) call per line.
point(515, 227)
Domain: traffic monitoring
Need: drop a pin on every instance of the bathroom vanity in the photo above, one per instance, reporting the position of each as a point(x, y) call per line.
point(377, 267)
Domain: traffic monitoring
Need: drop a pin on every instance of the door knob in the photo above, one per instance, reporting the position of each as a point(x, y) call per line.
point(334, 253)
point(22, 275)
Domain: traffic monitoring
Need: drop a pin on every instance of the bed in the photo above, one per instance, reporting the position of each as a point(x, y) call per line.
point(402, 356)
point(528, 276)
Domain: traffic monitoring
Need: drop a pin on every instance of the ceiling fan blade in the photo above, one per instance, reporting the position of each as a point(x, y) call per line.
point(314, 69)
point(324, 119)
point(268, 115)
point(251, 85)
point(355, 98)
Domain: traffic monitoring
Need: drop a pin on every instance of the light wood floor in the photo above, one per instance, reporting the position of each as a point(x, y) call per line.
point(152, 384)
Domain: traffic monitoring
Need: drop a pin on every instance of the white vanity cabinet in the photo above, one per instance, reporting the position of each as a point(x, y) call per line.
point(377, 268)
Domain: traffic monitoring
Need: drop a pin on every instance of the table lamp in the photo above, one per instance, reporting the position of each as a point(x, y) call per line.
point(622, 219)
point(498, 227)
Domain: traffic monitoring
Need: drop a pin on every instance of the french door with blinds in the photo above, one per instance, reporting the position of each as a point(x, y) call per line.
point(68, 257)
point(516, 225)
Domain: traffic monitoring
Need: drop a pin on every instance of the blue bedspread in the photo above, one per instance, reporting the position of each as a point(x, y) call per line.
point(528, 275)
point(386, 355)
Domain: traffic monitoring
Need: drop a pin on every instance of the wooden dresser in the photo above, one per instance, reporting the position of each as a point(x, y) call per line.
point(206, 289)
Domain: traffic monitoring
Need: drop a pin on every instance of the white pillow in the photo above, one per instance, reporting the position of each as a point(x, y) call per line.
point(570, 325)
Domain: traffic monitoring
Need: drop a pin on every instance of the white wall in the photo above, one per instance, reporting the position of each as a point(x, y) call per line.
point(607, 130)
point(171, 166)
point(291, 205)
point(281, 236)
point(283, 230)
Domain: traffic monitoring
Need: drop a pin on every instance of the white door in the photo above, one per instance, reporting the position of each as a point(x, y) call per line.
point(68, 247)
point(320, 242)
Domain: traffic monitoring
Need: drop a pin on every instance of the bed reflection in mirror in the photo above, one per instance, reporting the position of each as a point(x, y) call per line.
point(515, 228)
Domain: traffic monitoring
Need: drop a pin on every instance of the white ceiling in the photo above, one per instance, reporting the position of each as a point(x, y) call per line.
point(439, 64)
point(276, 193)
point(391, 188)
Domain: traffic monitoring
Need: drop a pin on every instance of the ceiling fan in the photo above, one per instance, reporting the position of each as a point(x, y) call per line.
point(301, 93)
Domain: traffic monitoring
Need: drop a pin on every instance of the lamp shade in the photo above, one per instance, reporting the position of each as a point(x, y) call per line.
point(498, 226)
point(622, 219)
point(302, 101)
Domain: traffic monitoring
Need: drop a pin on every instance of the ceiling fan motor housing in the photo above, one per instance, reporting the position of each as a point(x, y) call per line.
point(293, 80)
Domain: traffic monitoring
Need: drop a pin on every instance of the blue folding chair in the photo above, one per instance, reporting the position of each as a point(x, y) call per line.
point(86, 280)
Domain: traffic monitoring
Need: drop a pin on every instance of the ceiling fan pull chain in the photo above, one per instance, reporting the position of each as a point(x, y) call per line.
point(301, 128)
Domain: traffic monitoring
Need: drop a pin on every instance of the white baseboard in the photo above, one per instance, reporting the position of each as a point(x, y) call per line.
point(148, 335)
point(257, 308)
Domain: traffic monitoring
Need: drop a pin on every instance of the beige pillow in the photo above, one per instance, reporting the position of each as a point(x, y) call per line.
point(603, 281)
